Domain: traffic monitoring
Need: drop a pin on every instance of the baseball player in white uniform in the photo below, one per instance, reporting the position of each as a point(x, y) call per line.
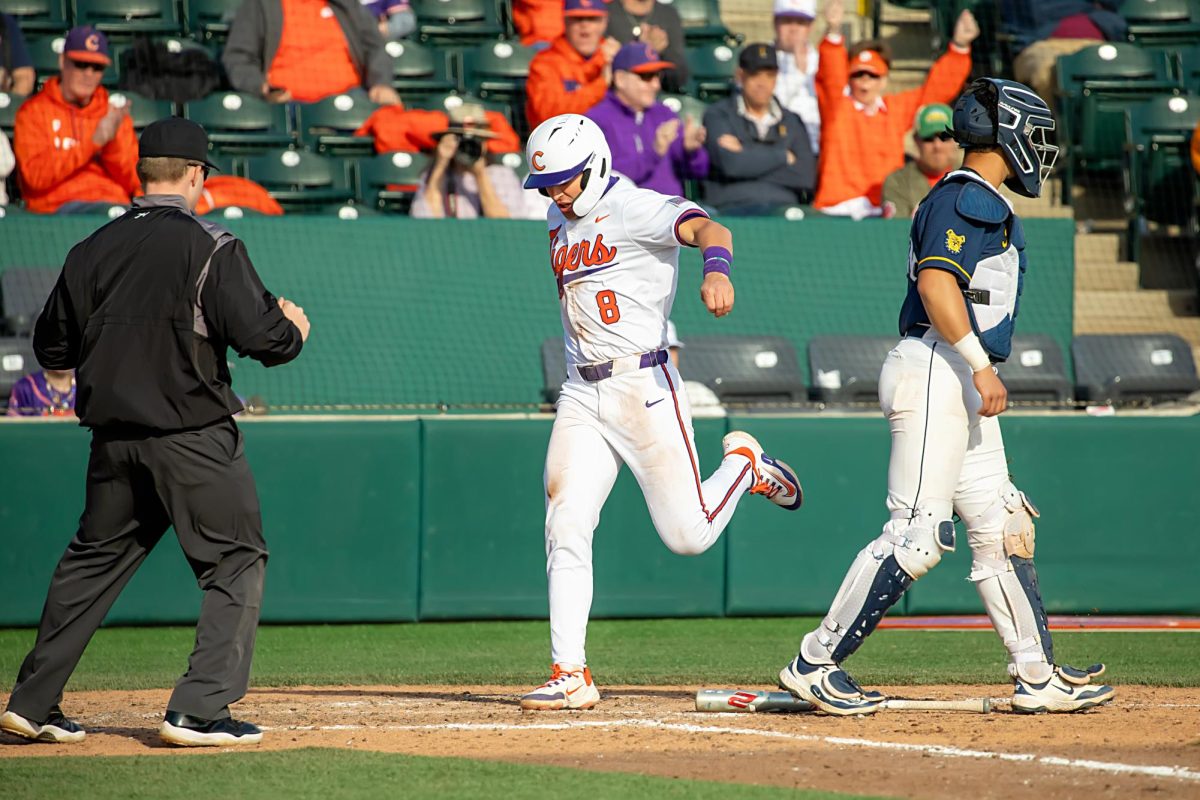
point(941, 395)
point(614, 251)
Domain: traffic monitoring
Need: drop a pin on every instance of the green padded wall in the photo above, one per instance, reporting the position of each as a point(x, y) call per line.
point(453, 312)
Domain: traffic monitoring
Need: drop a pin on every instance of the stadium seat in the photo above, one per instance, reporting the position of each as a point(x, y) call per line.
point(496, 68)
point(328, 125)
point(702, 22)
point(845, 369)
point(1137, 368)
point(1035, 371)
point(144, 110)
point(389, 180)
point(302, 181)
point(419, 69)
point(44, 51)
point(38, 16)
point(209, 19)
point(125, 18)
point(9, 103)
point(554, 368)
point(23, 291)
point(685, 106)
point(1094, 87)
point(449, 21)
point(445, 102)
point(712, 70)
point(1159, 177)
point(1155, 23)
point(240, 123)
point(1188, 61)
point(746, 369)
point(16, 361)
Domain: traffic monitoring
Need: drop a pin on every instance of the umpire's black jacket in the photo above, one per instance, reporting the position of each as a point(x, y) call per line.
point(144, 311)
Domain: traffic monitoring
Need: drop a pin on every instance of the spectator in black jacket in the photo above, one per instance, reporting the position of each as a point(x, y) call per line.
point(659, 26)
point(145, 310)
point(17, 75)
point(759, 152)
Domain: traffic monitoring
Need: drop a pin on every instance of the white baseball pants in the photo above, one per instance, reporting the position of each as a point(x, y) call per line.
point(640, 418)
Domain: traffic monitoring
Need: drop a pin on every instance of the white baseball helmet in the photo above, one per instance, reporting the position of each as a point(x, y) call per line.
point(561, 148)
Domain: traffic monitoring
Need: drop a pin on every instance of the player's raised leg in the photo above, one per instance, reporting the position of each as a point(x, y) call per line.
point(923, 401)
point(1000, 528)
point(581, 468)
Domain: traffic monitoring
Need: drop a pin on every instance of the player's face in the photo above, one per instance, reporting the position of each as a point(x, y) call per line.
point(866, 87)
point(585, 33)
point(79, 80)
point(790, 32)
point(565, 194)
point(758, 87)
point(937, 154)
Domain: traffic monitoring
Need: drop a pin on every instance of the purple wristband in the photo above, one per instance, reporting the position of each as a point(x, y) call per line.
point(717, 259)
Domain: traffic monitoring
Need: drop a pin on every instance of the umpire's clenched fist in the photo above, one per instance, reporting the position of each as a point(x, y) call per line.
point(295, 315)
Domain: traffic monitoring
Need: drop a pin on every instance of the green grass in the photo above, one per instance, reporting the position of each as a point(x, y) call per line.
point(332, 774)
point(692, 652)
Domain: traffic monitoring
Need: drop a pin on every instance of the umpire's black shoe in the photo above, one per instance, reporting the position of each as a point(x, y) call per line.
point(188, 731)
point(57, 728)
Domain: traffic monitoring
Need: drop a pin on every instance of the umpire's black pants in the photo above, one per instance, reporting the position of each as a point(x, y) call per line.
point(199, 482)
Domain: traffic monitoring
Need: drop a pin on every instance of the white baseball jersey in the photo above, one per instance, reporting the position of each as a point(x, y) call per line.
point(617, 269)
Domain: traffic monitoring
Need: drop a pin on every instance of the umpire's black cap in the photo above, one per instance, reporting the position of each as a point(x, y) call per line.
point(175, 137)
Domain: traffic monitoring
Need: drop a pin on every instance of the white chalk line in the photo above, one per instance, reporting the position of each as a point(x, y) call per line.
point(1182, 773)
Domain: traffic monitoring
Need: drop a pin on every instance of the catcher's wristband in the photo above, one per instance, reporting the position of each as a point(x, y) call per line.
point(970, 348)
point(717, 259)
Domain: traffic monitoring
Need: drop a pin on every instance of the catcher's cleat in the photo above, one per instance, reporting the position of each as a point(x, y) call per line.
point(1058, 695)
point(772, 478)
point(1077, 676)
point(829, 688)
point(57, 728)
point(566, 689)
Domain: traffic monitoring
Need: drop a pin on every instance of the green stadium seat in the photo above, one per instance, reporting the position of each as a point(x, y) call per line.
point(444, 102)
point(38, 16)
point(1094, 87)
point(240, 123)
point(145, 110)
point(496, 68)
point(1162, 22)
point(1187, 61)
point(128, 17)
point(702, 22)
point(390, 180)
point(209, 19)
point(9, 103)
point(328, 126)
point(685, 105)
point(302, 181)
point(712, 70)
point(1159, 177)
point(419, 69)
point(448, 21)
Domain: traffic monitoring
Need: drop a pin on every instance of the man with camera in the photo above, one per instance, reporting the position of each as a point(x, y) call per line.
point(462, 184)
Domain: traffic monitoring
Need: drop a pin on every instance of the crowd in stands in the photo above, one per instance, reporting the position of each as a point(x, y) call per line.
point(808, 118)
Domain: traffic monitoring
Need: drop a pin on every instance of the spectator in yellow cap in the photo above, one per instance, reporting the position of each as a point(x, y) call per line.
point(937, 154)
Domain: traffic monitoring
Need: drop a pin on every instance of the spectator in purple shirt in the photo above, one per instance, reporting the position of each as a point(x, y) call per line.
point(650, 144)
point(45, 393)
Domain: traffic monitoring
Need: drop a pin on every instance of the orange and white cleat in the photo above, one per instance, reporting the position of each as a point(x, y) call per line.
point(772, 478)
point(569, 687)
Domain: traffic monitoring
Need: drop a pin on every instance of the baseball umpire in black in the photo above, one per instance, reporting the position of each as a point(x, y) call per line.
point(144, 311)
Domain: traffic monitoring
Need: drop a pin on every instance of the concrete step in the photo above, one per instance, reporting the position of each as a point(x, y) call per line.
point(1117, 276)
point(1149, 307)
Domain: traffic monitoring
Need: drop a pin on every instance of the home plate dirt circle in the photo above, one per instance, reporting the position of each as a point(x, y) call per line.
point(1146, 741)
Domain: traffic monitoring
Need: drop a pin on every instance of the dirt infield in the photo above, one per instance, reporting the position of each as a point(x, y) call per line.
point(1147, 743)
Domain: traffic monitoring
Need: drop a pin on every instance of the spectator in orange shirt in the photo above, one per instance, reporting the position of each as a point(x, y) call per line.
point(1196, 150)
point(573, 73)
point(306, 50)
point(862, 130)
point(538, 21)
point(75, 150)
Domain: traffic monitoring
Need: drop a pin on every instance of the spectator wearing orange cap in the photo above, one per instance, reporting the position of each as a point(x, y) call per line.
point(862, 130)
point(572, 74)
point(75, 150)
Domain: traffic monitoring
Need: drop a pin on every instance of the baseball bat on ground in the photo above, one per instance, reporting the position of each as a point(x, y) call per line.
point(736, 700)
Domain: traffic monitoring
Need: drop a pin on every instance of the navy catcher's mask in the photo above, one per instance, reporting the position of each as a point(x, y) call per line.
point(994, 111)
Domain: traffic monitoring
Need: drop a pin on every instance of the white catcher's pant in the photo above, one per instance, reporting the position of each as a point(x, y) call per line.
point(945, 459)
point(640, 418)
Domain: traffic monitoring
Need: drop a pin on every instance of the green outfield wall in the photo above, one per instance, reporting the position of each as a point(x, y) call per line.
point(453, 312)
point(442, 518)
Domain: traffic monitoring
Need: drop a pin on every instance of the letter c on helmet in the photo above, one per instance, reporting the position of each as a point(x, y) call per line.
point(536, 161)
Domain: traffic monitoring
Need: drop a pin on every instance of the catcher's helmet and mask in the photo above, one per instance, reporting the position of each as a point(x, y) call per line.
point(1007, 114)
point(563, 147)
